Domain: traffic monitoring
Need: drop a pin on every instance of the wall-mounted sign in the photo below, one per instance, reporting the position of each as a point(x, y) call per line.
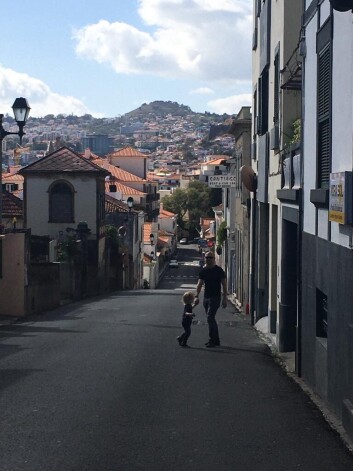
point(340, 203)
point(221, 181)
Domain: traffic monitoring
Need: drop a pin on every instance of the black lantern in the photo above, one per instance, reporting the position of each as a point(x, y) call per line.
point(151, 238)
point(130, 202)
point(21, 111)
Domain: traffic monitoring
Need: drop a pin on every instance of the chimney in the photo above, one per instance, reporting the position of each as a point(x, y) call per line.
point(87, 153)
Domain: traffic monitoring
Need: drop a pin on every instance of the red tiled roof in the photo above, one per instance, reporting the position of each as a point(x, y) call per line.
point(127, 152)
point(63, 160)
point(11, 205)
point(147, 228)
point(218, 160)
point(118, 172)
point(13, 177)
point(121, 188)
point(163, 213)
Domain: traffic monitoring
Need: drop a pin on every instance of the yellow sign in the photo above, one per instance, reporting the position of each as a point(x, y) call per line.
point(340, 203)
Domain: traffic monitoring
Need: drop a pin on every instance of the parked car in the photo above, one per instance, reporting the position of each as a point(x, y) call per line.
point(173, 263)
point(183, 241)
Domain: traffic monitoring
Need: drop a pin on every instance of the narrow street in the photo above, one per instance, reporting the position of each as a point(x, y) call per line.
point(103, 385)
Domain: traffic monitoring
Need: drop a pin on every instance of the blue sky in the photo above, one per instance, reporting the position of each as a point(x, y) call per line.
point(107, 57)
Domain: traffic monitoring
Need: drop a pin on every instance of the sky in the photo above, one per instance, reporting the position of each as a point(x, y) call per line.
point(108, 57)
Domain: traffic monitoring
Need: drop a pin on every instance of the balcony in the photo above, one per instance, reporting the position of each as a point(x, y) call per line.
point(291, 176)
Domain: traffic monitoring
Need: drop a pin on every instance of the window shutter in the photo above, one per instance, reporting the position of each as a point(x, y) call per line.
point(324, 117)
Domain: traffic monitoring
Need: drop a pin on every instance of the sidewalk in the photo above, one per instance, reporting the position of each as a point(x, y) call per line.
point(287, 361)
point(7, 320)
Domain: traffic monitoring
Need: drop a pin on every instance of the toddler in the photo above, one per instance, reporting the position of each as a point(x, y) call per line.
point(188, 301)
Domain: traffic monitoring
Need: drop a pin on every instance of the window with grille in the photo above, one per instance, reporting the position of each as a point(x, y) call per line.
point(324, 117)
point(61, 203)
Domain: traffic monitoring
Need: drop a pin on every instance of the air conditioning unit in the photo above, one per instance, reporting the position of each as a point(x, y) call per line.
point(274, 138)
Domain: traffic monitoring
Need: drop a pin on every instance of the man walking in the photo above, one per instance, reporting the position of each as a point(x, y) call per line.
point(213, 278)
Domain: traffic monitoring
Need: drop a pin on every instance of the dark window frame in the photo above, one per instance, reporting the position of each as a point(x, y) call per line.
point(324, 105)
point(263, 100)
point(61, 203)
point(276, 88)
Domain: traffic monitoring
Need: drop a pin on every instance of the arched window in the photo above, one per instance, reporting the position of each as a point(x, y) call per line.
point(61, 202)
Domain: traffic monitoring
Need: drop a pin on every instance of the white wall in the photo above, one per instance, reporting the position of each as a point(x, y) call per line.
point(342, 107)
point(37, 201)
point(310, 131)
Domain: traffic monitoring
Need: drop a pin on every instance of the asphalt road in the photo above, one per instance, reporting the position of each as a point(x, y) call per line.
point(103, 385)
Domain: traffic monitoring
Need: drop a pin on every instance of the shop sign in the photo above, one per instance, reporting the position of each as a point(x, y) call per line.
point(340, 198)
point(222, 181)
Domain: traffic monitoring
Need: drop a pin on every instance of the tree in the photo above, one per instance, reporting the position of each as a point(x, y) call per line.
point(190, 205)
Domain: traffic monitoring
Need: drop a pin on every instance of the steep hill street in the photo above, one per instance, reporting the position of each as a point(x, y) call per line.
point(103, 385)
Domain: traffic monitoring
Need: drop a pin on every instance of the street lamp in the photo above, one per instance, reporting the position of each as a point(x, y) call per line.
point(21, 111)
point(130, 202)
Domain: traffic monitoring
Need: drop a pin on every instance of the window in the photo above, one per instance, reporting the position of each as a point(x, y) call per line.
point(323, 117)
point(262, 126)
point(276, 91)
point(324, 79)
point(61, 202)
point(321, 314)
point(10, 187)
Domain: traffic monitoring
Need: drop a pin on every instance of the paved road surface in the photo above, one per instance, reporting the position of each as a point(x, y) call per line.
point(103, 385)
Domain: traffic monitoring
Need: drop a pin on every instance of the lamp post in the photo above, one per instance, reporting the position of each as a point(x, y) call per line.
point(21, 111)
point(130, 203)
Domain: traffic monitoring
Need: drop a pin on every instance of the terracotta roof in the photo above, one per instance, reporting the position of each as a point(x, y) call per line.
point(13, 177)
point(123, 175)
point(218, 160)
point(63, 160)
point(112, 205)
point(11, 205)
point(124, 189)
point(118, 172)
point(163, 213)
point(127, 152)
point(147, 228)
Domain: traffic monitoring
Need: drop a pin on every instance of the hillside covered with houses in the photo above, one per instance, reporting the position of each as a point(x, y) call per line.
point(83, 211)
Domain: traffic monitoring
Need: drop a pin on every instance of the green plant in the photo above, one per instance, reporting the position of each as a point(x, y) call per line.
point(222, 233)
point(296, 132)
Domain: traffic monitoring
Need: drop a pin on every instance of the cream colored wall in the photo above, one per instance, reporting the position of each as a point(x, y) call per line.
point(12, 283)
point(37, 201)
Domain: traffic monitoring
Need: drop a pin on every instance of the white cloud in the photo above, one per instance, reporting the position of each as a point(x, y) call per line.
point(202, 91)
point(231, 104)
point(41, 99)
point(200, 39)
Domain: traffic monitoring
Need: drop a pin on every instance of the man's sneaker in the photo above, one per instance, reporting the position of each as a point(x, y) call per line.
point(179, 340)
point(211, 344)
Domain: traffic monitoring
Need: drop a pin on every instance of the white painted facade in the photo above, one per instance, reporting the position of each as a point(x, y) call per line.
point(37, 203)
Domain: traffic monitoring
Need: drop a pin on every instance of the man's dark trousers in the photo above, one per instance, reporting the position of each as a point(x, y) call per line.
point(211, 306)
